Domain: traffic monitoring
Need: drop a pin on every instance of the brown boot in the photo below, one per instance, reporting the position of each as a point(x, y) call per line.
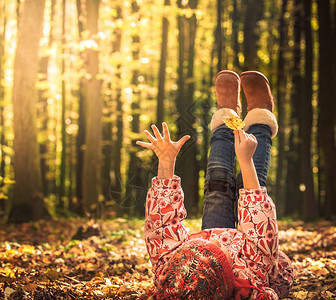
point(227, 85)
point(257, 90)
point(260, 101)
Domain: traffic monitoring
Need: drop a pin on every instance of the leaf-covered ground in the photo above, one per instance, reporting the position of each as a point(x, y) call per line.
point(41, 260)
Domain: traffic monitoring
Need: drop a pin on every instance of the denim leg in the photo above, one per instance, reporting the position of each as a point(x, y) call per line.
point(262, 155)
point(220, 184)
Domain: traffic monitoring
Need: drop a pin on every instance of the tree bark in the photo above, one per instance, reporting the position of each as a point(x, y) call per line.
point(253, 14)
point(135, 189)
point(219, 36)
point(187, 166)
point(27, 203)
point(293, 203)
point(310, 209)
point(63, 167)
point(112, 148)
point(280, 101)
point(326, 98)
point(162, 70)
point(235, 30)
point(2, 105)
point(80, 139)
point(43, 113)
point(92, 153)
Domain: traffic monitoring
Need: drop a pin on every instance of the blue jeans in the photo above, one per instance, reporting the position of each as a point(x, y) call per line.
point(221, 187)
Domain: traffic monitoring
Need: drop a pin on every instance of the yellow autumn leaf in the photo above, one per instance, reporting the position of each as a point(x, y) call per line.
point(234, 122)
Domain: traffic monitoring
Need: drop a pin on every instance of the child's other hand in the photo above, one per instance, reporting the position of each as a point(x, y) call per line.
point(245, 145)
point(163, 147)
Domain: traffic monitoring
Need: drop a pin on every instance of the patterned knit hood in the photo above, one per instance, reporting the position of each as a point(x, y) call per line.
point(198, 270)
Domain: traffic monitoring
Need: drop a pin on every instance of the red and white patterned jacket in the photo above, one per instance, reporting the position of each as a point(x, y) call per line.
point(254, 246)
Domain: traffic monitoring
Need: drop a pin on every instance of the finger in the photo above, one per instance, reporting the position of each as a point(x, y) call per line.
point(244, 135)
point(237, 135)
point(150, 137)
point(166, 134)
point(145, 145)
point(253, 137)
point(182, 141)
point(156, 132)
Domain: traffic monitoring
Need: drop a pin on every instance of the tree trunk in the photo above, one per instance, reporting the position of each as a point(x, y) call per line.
point(92, 153)
point(80, 139)
point(219, 36)
point(63, 167)
point(2, 105)
point(235, 30)
point(187, 165)
point(326, 98)
point(112, 147)
point(27, 203)
point(43, 112)
point(310, 210)
point(333, 41)
point(280, 101)
point(162, 70)
point(116, 189)
point(253, 14)
point(293, 203)
point(135, 194)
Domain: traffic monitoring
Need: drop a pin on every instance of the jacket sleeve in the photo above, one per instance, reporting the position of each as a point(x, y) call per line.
point(257, 221)
point(164, 229)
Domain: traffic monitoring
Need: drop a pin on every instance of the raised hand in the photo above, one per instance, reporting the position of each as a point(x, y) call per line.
point(245, 146)
point(165, 149)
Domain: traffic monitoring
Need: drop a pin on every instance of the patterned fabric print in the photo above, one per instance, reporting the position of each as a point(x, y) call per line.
point(253, 247)
point(164, 230)
point(197, 270)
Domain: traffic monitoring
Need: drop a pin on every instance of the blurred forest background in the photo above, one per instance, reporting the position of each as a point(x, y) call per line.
point(81, 80)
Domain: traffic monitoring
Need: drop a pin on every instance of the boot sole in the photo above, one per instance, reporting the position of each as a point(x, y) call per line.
point(228, 72)
point(255, 73)
point(230, 77)
point(246, 85)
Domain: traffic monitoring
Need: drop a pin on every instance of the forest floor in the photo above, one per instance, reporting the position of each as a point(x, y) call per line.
point(41, 260)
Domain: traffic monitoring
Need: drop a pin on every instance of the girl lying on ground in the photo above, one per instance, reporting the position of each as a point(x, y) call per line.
point(221, 261)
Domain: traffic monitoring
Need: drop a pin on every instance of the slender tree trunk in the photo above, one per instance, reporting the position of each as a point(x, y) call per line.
point(116, 189)
point(326, 98)
point(206, 117)
point(135, 184)
point(27, 203)
point(63, 125)
point(280, 101)
point(43, 104)
point(111, 185)
point(253, 14)
point(92, 154)
point(310, 210)
point(219, 36)
point(80, 139)
point(187, 165)
point(293, 203)
point(2, 105)
point(107, 147)
point(235, 30)
point(162, 70)
point(333, 41)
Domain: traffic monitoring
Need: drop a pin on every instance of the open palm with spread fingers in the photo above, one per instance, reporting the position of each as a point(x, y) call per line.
point(165, 149)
